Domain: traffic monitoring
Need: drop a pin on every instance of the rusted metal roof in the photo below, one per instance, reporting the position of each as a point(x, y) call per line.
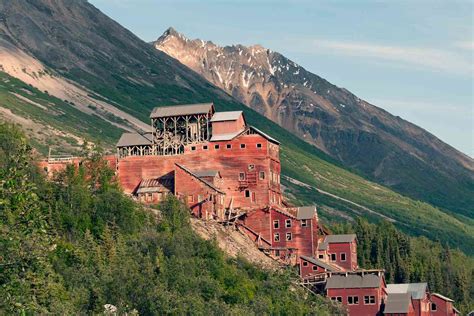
point(353, 281)
point(444, 298)
point(223, 137)
point(226, 116)
point(182, 109)
point(206, 173)
point(417, 290)
point(162, 184)
point(320, 263)
point(134, 139)
point(398, 303)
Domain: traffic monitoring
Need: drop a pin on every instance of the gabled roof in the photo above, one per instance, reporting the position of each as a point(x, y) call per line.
point(353, 281)
point(417, 290)
point(264, 135)
point(398, 303)
point(226, 116)
point(305, 212)
point(206, 173)
point(182, 109)
point(134, 139)
point(320, 263)
point(210, 185)
point(444, 298)
point(336, 239)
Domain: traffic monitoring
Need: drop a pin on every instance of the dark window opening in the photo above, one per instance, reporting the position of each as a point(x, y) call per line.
point(228, 146)
point(242, 146)
point(217, 146)
point(247, 193)
point(204, 147)
point(259, 145)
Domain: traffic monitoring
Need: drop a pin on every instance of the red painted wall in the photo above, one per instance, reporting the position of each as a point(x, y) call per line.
point(309, 268)
point(227, 127)
point(350, 249)
point(361, 309)
point(443, 308)
point(422, 306)
point(229, 161)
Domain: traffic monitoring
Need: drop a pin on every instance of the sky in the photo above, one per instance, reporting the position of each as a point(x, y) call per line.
point(414, 59)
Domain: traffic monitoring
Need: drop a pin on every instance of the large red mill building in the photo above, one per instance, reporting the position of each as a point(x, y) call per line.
point(228, 171)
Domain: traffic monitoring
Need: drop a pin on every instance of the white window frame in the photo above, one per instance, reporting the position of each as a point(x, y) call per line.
point(276, 237)
point(277, 222)
point(288, 235)
point(288, 223)
point(353, 298)
point(331, 257)
point(345, 256)
point(369, 300)
point(304, 223)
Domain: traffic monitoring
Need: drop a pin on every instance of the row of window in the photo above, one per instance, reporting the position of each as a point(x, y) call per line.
point(354, 300)
point(261, 175)
point(228, 146)
point(276, 237)
point(333, 256)
point(288, 223)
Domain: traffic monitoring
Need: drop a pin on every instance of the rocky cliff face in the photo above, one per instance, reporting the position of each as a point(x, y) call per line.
point(362, 136)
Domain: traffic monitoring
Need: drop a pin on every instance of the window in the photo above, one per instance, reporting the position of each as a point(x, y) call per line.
point(288, 223)
point(277, 253)
point(304, 223)
point(276, 224)
point(228, 146)
point(336, 299)
point(333, 257)
point(305, 263)
point(276, 237)
point(315, 268)
point(321, 256)
point(259, 145)
point(353, 300)
point(343, 257)
point(242, 176)
point(247, 193)
point(193, 148)
point(434, 308)
point(204, 147)
point(288, 236)
point(261, 175)
point(251, 167)
point(200, 198)
point(217, 146)
point(369, 300)
point(242, 146)
point(191, 198)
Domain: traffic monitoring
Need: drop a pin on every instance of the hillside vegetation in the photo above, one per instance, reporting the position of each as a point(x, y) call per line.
point(76, 244)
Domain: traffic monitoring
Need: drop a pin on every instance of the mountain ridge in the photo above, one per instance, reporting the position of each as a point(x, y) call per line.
point(402, 156)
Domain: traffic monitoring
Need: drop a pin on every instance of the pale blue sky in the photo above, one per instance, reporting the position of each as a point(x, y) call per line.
point(412, 58)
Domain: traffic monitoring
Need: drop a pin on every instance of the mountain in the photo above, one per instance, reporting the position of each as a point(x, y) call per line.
point(71, 74)
point(364, 137)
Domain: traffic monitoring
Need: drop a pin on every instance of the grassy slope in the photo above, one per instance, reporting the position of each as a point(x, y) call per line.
point(299, 160)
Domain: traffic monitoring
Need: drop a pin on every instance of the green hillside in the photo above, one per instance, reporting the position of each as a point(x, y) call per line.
point(299, 160)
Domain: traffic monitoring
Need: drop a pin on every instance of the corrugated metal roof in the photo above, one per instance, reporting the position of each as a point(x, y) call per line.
point(223, 137)
point(397, 303)
point(353, 281)
point(162, 184)
point(226, 116)
point(417, 290)
point(320, 263)
point(447, 299)
point(182, 109)
point(206, 173)
point(134, 139)
point(306, 212)
point(334, 239)
point(264, 135)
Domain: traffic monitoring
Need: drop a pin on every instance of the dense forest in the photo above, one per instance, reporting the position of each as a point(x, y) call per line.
point(414, 259)
point(76, 244)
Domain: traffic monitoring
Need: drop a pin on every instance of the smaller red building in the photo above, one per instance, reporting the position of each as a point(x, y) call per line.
point(340, 250)
point(442, 306)
point(419, 293)
point(399, 304)
point(361, 292)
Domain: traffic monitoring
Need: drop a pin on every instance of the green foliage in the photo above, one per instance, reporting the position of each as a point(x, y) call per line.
point(414, 259)
point(74, 244)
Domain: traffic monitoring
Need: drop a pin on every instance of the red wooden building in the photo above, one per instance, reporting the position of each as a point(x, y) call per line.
point(309, 267)
point(442, 306)
point(340, 250)
point(419, 293)
point(362, 292)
